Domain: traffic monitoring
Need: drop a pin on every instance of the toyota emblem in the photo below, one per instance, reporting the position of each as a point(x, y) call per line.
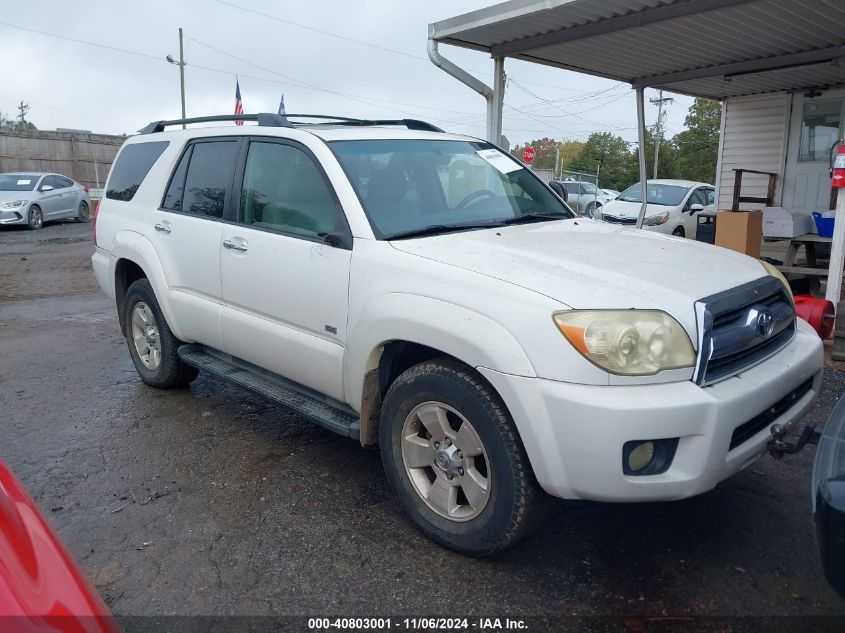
point(765, 323)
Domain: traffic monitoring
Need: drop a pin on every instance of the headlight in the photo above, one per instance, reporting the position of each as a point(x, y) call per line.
point(627, 342)
point(13, 205)
point(654, 220)
point(774, 272)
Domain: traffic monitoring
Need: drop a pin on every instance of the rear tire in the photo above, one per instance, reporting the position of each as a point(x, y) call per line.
point(83, 214)
point(152, 345)
point(35, 218)
point(455, 460)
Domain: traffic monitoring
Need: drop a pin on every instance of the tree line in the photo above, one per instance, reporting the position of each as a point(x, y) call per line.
point(689, 155)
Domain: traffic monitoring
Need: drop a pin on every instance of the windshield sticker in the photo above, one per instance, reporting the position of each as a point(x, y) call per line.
point(499, 160)
point(24, 182)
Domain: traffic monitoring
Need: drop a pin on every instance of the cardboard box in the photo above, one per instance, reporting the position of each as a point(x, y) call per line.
point(741, 231)
point(778, 222)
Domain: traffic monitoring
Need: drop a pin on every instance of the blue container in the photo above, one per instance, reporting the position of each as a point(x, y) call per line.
point(823, 225)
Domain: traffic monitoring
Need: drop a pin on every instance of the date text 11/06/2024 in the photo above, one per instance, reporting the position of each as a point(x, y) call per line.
point(485, 625)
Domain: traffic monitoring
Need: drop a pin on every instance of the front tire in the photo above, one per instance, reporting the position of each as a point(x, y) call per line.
point(679, 232)
point(152, 346)
point(35, 218)
point(455, 460)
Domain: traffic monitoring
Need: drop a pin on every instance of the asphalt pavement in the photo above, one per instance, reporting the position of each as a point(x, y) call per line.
point(211, 500)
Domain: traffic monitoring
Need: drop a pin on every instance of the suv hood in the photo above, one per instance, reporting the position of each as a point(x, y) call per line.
point(587, 264)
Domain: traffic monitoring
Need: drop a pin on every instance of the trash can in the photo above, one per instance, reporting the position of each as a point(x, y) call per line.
point(705, 230)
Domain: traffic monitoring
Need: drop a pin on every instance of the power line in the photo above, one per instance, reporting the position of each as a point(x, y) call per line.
point(346, 38)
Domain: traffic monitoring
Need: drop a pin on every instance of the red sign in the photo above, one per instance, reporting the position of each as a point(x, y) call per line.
point(528, 155)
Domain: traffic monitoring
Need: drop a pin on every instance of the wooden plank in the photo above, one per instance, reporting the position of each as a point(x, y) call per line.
point(803, 270)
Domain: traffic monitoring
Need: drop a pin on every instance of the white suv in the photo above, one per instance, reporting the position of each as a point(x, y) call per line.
point(425, 292)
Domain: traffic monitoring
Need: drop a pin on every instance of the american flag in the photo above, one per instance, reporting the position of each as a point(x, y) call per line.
point(239, 106)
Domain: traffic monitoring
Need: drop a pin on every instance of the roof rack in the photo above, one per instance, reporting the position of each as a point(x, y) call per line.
point(267, 119)
point(411, 124)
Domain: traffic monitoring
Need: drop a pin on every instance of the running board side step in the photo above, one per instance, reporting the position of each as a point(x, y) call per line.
point(324, 411)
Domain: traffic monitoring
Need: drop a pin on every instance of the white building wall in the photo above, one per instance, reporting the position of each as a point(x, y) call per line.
point(754, 136)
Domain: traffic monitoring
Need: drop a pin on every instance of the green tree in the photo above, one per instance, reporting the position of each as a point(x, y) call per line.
point(697, 147)
point(569, 151)
point(667, 165)
point(609, 154)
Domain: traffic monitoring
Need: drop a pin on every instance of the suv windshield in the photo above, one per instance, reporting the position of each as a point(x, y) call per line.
point(666, 195)
point(410, 187)
point(18, 182)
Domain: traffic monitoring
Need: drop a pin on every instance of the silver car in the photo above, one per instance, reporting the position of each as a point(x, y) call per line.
point(35, 198)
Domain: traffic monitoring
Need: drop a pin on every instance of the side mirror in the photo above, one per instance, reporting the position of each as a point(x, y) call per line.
point(695, 207)
point(46, 188)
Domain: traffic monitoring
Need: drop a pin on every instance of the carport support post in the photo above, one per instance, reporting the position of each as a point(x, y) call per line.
point(837, 252)
point(641, 135)
point(497, 102)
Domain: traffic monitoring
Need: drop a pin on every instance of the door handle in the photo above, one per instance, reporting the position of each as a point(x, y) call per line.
point(234, 245)
point(164, 228)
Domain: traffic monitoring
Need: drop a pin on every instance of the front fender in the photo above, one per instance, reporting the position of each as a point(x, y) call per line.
point(472, 338)
point(139, 250)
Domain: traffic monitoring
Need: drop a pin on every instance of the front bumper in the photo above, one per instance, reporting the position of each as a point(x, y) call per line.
point(13, 216)
point(574, 434)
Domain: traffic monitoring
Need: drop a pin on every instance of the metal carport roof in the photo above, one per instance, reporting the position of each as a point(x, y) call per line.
point(704, 48)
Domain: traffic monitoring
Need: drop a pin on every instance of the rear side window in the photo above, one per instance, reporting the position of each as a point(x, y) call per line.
point(132, 166)
point(202, 178)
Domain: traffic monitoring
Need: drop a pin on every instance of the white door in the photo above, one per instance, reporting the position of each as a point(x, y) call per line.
point(285, 287)
point(187, 236)
point(815, 126)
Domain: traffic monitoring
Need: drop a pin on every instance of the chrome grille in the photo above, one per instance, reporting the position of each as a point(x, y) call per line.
point(615, 220)
point(741, 327)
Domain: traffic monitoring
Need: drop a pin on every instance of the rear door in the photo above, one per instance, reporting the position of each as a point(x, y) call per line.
point(187, 234)
point(285, 287)
point(70, 195)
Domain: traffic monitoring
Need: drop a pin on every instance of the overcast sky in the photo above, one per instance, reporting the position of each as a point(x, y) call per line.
point(74, 85)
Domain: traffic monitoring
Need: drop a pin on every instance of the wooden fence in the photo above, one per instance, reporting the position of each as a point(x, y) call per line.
point(84, 157)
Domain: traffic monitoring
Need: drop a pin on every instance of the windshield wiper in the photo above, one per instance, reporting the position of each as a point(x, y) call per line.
point(434, 229)
point(533, 217)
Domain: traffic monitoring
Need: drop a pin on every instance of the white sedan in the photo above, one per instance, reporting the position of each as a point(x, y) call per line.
point(672, 206)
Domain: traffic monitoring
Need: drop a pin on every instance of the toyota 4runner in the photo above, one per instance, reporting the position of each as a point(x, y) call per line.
point(426, 293)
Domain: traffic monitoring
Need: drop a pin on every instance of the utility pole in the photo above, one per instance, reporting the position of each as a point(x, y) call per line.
point(557, 161)
point(658, 132)
point(23, 108)
point(181, 64)
point(182, 73)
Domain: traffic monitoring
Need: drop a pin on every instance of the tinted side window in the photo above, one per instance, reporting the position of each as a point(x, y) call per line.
point(284, 190)
point(176, 189)
point(209, 175)
point(132, 166)
point(63, 183)
point(48, 181)
point(711, 196)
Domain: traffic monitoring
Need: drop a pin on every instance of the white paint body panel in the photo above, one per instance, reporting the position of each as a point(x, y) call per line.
point(485, 297)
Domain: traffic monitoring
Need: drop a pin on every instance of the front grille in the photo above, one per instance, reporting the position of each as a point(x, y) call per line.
point(746, 431)
point(732, 328)
point(614, 220)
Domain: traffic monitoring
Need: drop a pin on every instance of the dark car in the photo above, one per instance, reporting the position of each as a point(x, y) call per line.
point(828, 488)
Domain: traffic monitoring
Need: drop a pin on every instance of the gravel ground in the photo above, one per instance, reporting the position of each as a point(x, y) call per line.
point(211, 500)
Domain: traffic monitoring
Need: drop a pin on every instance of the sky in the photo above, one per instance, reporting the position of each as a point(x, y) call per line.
point(359, 59)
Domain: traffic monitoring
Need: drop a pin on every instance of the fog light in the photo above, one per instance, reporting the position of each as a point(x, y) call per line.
point(641, 456)
point(648, 457)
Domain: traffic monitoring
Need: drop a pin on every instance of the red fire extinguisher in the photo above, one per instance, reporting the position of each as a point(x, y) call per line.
point(837, 172)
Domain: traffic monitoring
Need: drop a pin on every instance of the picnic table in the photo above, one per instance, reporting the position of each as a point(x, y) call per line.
point(812, 269)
